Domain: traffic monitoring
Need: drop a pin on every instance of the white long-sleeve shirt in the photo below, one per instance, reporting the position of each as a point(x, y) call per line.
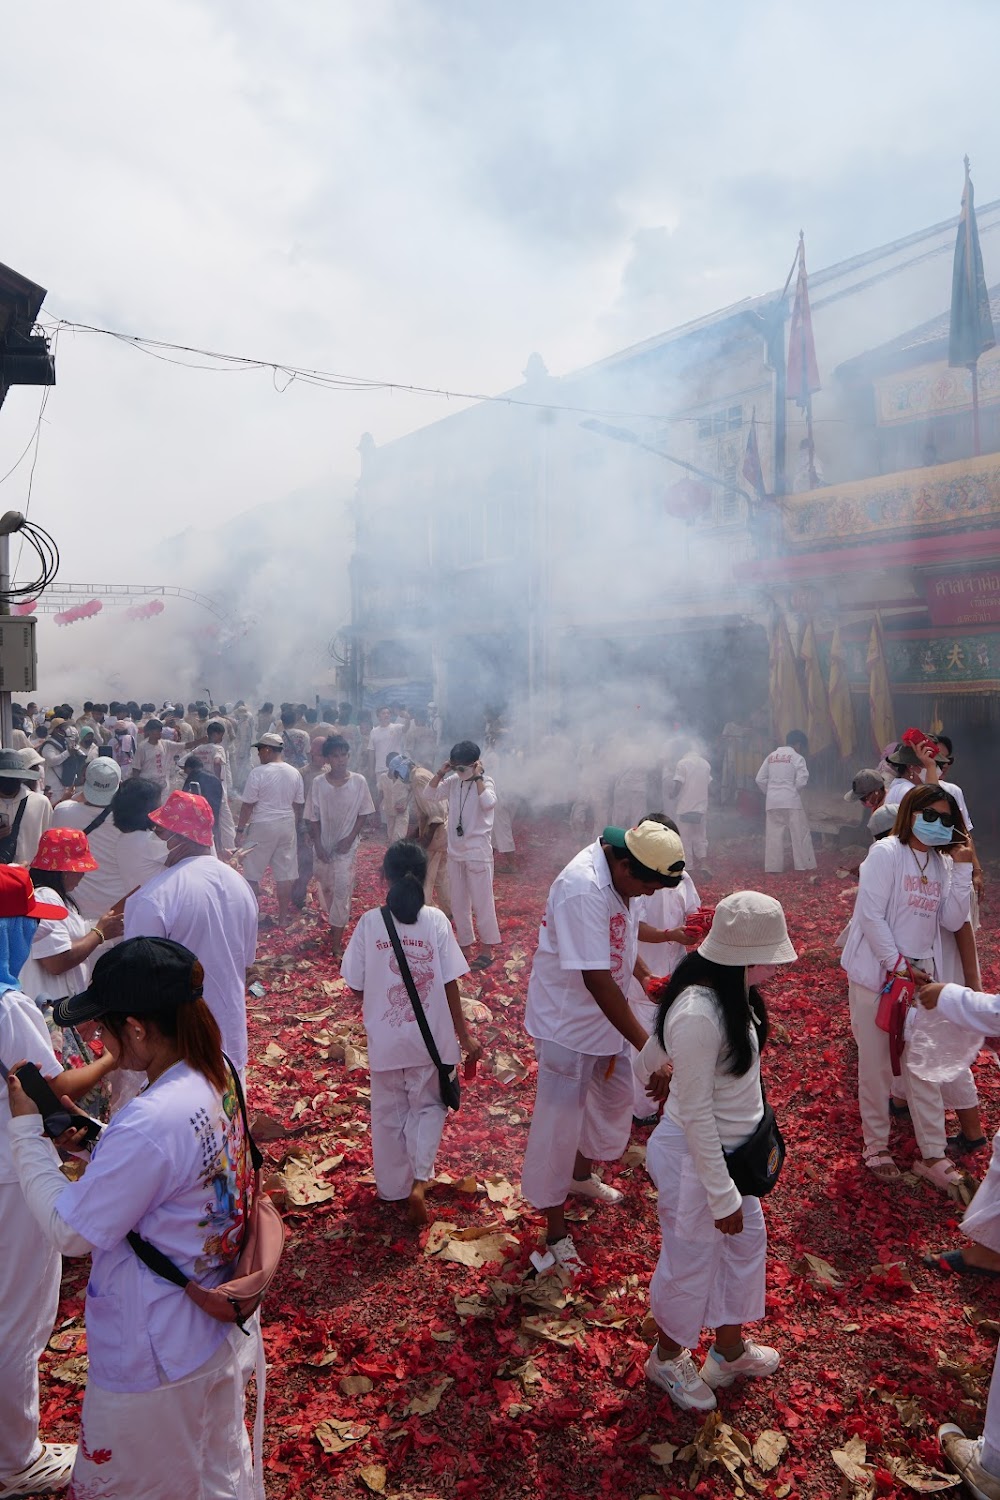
point(782, 777)
point(715, 1109)
point(902, 902)
point(971, 1009)
point(471, 810)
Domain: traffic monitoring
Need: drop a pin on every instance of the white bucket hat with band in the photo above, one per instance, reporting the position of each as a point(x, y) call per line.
point(748, 928)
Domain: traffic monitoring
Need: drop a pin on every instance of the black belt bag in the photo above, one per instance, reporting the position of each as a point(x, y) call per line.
point(756, 1165)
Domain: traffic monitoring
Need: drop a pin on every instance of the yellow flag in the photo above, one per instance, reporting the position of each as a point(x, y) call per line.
point(788, 709)
point(879, 692)
point(839, 698)
point(819, 728)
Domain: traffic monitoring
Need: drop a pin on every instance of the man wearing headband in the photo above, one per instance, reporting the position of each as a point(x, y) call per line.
point(579, 1019)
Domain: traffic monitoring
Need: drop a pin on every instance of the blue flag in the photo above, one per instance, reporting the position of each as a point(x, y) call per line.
point(971, 330)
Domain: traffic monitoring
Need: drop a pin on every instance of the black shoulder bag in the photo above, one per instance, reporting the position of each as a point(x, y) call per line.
point(451, 1089)
point(756, 1165)
point(102, 817)
point(8, 844)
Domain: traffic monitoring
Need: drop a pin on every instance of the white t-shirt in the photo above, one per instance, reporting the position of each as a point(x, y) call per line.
point(898, 912)
point(337, 808)
point(435, 959)
point(715, 1109)
point(124, 860)
point(782, 776)
point(470, 807)
point(665, 909)
point(37, 817)
point(386, 739)
point(154, 762)
point(55, 935)
point(173, 1165)
point(695, 776)
point(274, 790)
point(587, 926)
point(208, 907)
point(24, 1037)
point(899, 788)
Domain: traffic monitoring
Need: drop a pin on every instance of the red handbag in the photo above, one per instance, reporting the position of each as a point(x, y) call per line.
point(897, 996)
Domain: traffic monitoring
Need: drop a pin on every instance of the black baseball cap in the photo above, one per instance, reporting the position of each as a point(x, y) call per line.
point(137, 978)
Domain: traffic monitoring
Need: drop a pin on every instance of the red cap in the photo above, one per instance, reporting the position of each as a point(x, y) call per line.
point(187, 814)
point(17, 896)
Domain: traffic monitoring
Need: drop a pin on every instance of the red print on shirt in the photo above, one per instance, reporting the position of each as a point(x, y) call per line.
point(618, 931)
point(400, 1009)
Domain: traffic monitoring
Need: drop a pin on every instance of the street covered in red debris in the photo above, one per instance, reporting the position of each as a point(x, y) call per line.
point(432, 1362)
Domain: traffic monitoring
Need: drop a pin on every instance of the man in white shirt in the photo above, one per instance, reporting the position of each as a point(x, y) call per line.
point(688, 793)
point(24, 812)
point(206, 905)
point(386, 739)
point(340, 806)
point(154, 757)
point(471, 798)
point(781, 778)
point(273, 801)
point(579, 1018)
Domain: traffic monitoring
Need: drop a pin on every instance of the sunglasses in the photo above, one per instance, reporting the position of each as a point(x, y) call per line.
point(947, 820)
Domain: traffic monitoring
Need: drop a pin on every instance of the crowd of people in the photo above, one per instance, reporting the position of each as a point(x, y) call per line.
point(133, 846)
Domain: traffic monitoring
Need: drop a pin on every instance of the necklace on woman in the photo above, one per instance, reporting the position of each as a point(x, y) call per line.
point(921, 867)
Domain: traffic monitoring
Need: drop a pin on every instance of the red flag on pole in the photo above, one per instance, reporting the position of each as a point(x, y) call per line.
point(752, 471)
point(803, 372)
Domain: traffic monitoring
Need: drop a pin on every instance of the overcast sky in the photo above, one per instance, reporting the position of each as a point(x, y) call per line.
point(425, 191)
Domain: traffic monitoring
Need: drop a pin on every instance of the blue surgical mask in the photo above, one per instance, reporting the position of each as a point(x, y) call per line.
point(932, 834)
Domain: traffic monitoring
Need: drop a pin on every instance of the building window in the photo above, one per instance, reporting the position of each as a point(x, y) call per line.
point(726, 419)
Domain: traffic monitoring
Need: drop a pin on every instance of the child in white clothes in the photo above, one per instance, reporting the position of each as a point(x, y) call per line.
point(660, 948)
point(407, 1110)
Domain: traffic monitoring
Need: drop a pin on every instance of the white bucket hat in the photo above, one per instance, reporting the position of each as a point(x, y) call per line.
point(748, 928)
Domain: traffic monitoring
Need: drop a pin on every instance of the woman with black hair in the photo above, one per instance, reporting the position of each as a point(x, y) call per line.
point(63, 951)
point(711, 1026)
point(408, 1112)
point(908, 890)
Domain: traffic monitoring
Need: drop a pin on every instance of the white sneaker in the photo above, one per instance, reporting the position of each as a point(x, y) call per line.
point(755, 1361)
point(593, 1187)
point(681, 1381)
point(565, 1254)
point(964, 1454)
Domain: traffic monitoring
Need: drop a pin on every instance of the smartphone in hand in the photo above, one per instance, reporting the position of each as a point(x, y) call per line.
point(56, 1118)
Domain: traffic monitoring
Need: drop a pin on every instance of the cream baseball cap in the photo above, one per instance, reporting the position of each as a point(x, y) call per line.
point(654, 846)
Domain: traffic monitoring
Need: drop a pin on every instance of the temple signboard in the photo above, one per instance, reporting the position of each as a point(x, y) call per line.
point(964, 597)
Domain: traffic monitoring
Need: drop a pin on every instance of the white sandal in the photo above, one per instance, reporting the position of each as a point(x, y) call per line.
point(48, 1475)
point(882, 1166)
point(943, 1175)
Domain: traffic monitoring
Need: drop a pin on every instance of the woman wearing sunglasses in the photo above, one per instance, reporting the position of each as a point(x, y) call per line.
point(907, 892)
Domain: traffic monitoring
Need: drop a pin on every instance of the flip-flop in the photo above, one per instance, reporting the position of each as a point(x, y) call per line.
point(953, 1262)
point(481, 963)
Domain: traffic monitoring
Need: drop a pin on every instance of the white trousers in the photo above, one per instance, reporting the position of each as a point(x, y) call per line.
point(30, 1272)
point(981, 1221)
point(694, 837)
point(186, 1438)
point(703, 1279)
point(503, 830)
point(275, 846)
point(407, 1120)
point(335, 879)
point(582, 1103)
point(793, 821)
point(471, 883)
point(875, 1083)
point(645, 1011)
point(227, 828)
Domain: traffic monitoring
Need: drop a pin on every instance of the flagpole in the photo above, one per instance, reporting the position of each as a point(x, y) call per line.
point(974, 372)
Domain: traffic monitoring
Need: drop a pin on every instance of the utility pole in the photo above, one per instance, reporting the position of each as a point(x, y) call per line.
point(9, 523)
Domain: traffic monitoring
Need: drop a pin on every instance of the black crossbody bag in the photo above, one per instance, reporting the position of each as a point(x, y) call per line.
point(756, 1165)
point(451, 1089)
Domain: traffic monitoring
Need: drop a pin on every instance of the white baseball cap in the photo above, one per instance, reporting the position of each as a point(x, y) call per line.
point(102, 780)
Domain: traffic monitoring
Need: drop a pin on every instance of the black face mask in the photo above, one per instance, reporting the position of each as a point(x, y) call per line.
point(10, 788)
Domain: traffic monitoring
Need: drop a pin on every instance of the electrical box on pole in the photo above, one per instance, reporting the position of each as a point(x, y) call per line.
point(18, 657)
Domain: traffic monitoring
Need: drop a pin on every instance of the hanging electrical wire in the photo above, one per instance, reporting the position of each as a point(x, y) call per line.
point(47, 553)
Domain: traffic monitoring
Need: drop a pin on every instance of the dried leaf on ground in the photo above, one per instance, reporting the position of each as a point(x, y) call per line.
point(373, 1477)
point(917, 1476)
point(335, 1436)
point(851, 1461)
point(662, 1453)
point(355, 1385)
point(422, 1406)
point(298, 1181)
point(508, 1067)
point(769, 1449)
point(569, 1333)
point(822, 1270)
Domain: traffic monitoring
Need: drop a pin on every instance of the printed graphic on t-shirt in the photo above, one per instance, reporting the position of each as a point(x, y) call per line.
point(420, 957)
point(921, 897)
point(225, 1175)
point(618, 930)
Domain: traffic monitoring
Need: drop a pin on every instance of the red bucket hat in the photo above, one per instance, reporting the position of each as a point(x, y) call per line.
point(187, 814)
point(17, 896)
point(64, 849)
